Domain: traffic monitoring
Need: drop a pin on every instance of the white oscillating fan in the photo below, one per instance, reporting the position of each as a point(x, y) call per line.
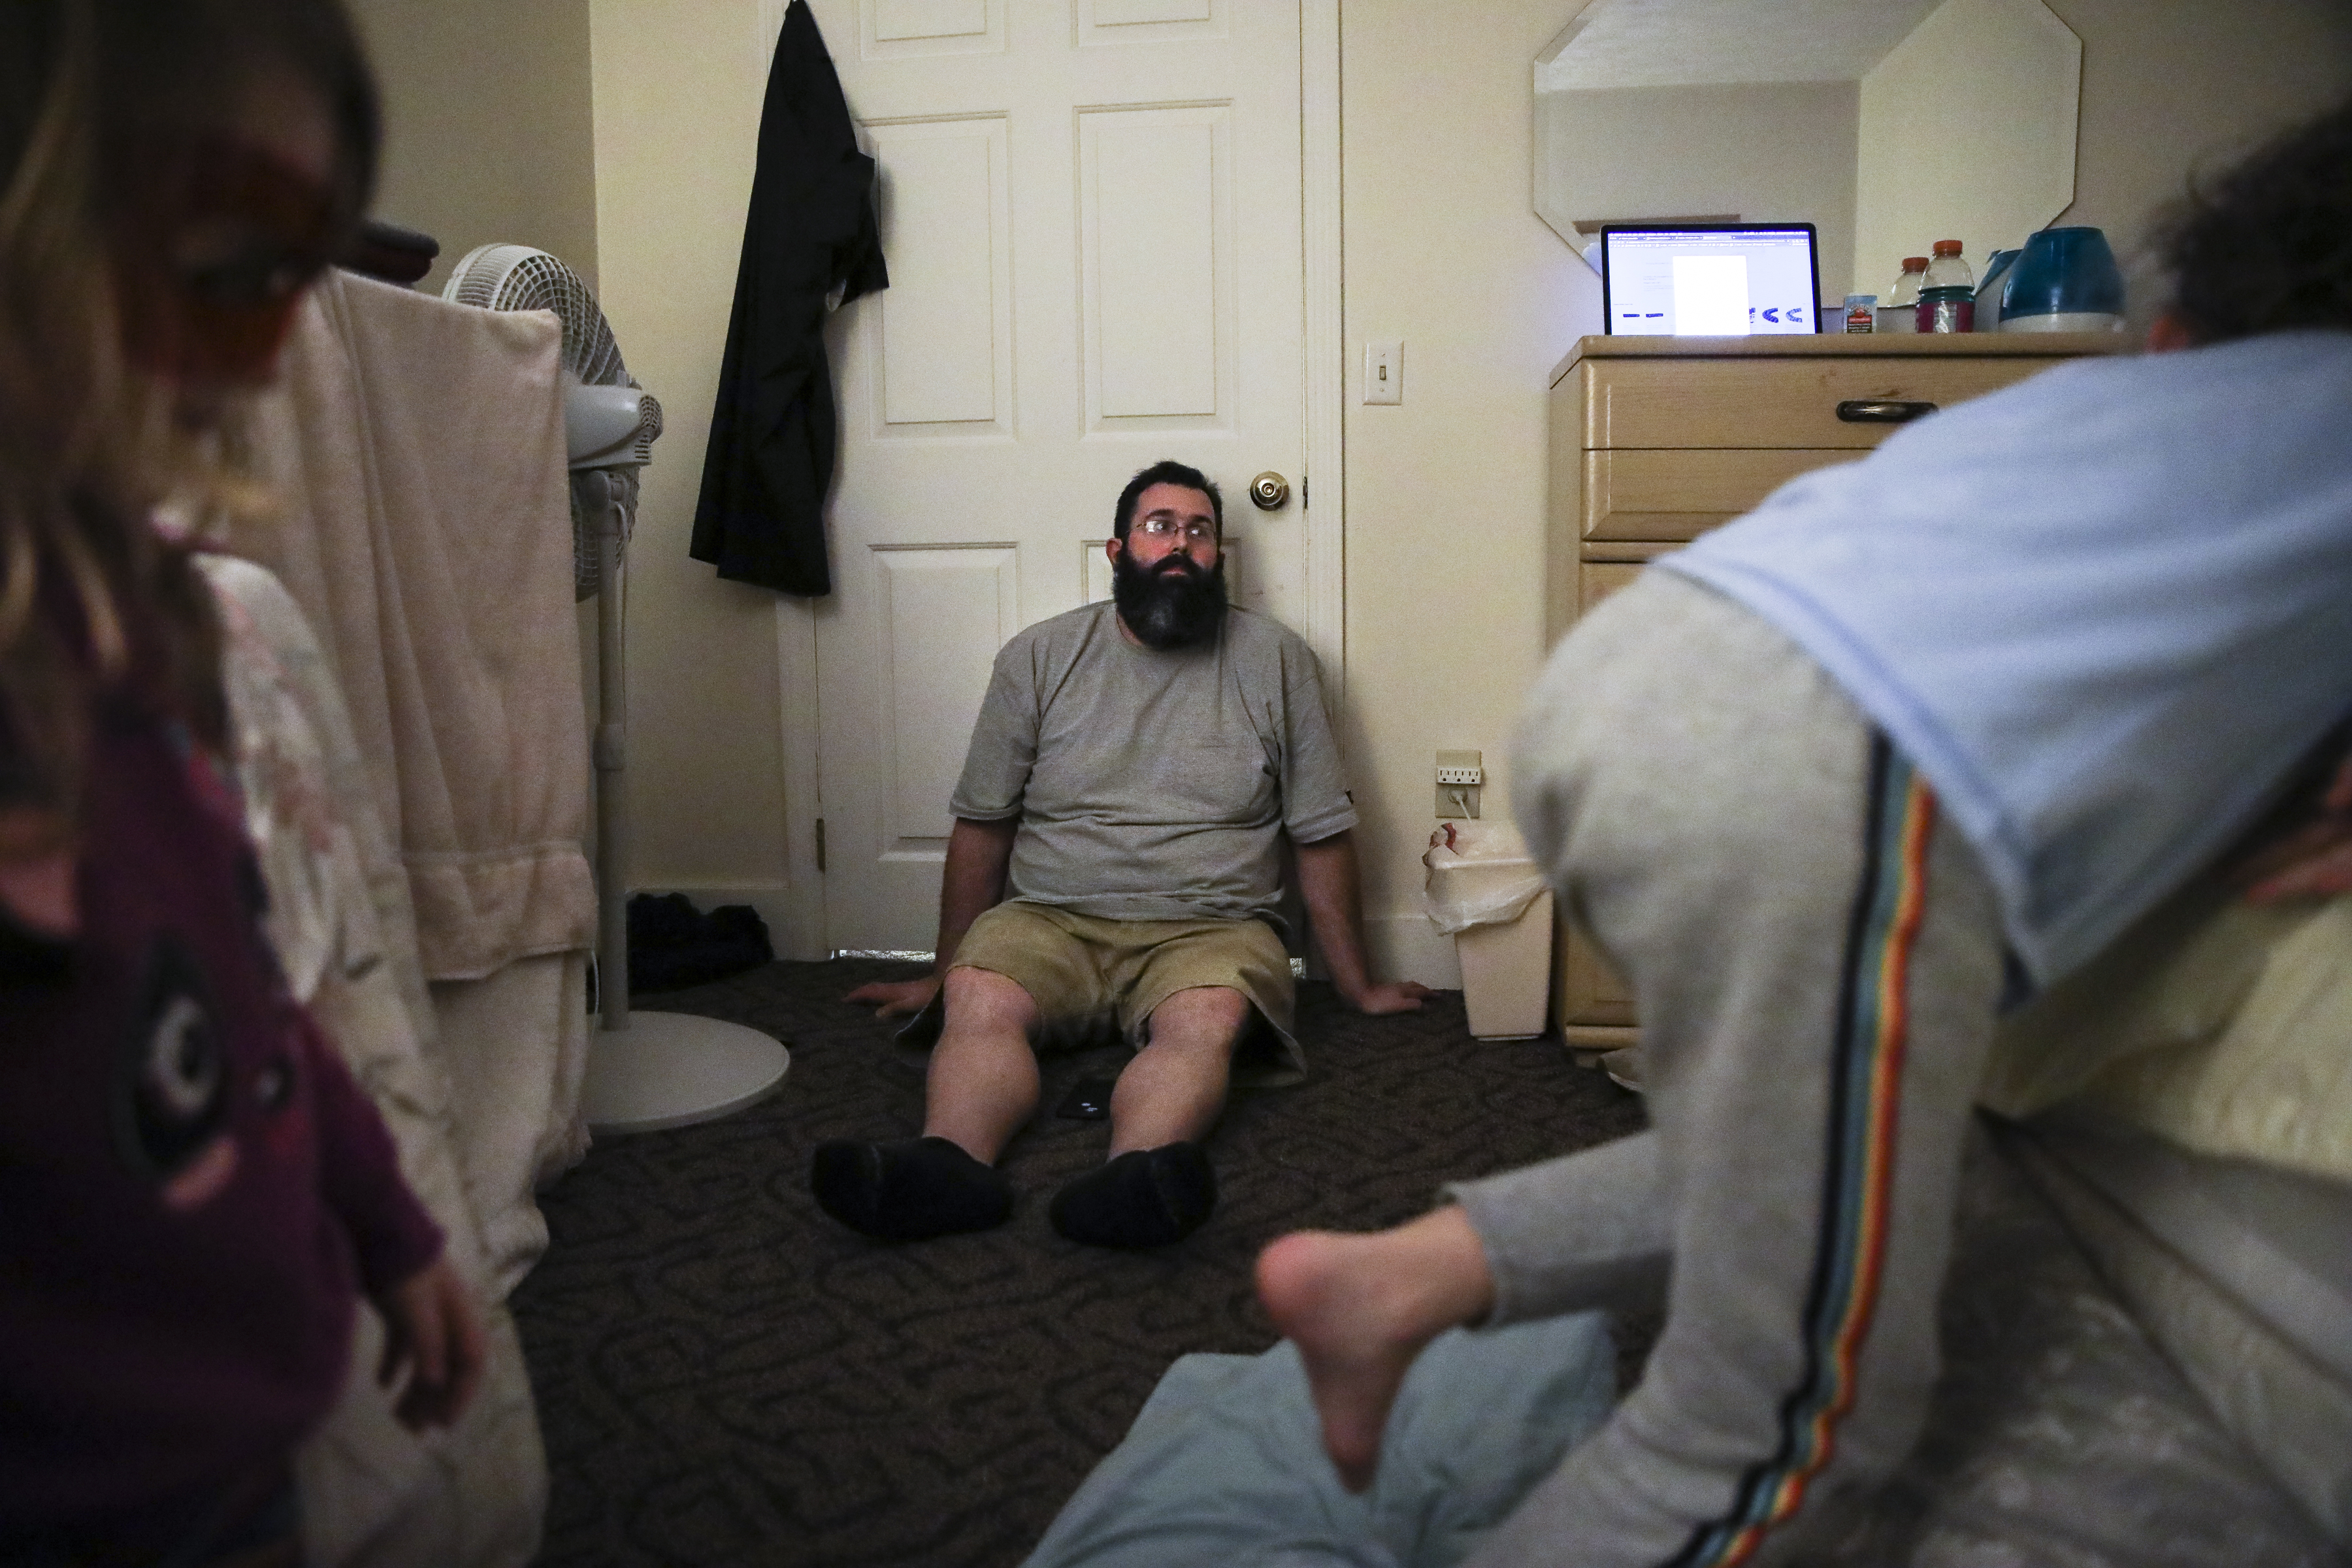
point(645, 1070)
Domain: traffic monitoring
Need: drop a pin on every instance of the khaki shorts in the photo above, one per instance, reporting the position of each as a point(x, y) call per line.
point(1094, 979)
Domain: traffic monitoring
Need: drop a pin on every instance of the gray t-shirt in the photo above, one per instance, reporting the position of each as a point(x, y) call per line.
point(1148, 784)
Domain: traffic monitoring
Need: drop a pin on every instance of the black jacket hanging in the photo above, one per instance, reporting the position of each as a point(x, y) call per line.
point(810, 229)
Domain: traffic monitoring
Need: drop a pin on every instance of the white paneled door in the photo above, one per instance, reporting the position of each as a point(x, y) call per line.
point(1092, 214)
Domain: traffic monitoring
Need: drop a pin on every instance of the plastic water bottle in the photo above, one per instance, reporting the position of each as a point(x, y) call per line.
point(1949, 268)
point(1948, 290)
point(1900, 314)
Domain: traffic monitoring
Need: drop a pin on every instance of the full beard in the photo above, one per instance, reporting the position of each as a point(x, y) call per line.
point(1173, 605)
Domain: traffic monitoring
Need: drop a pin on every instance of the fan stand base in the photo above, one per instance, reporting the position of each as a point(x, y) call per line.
point(673, 1070)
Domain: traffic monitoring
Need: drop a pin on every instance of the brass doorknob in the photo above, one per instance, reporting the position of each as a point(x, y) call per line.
point(1269, 490)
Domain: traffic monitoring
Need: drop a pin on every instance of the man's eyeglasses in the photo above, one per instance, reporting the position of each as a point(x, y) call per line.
point(1191, 531)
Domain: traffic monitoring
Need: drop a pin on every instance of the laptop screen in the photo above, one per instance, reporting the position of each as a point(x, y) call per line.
point(1712, 280)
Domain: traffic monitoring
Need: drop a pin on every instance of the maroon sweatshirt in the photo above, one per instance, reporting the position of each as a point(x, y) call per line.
point(193, 1189)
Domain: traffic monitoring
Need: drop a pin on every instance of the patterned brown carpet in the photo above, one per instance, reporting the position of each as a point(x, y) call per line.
point(726, 1377)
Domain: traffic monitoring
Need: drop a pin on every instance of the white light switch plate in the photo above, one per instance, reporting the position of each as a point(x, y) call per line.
point(1383, 373)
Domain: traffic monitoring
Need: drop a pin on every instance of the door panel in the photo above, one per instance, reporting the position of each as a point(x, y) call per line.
point(946, 612)
point(943, 330)
point(898, 29)
point(1112, 22)
point(1154, 218)
point(1091, 212)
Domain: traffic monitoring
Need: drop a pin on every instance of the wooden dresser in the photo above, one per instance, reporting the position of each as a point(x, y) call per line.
point(1657, 440)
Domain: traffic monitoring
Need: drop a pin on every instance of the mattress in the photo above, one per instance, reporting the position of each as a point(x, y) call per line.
point(2240, 1274)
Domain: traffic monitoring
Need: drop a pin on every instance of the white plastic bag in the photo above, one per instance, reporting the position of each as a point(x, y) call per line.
point(1479, 874)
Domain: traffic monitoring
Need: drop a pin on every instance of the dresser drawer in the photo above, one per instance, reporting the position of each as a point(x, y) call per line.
point(1596, 580)
point(1653, 441)
point(1773, 401)
point(1647, 493)
point(1588, 997)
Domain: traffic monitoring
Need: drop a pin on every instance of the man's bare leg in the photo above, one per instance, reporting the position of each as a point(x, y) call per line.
point(1174, 1089)
point(1360, 1308)
point(983, 1087)
point(1158, 1187)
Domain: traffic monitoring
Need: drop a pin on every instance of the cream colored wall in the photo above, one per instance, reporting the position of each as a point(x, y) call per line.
point(1966, 132)
point(2184, 85)
point(1445, 491)
point(487, 124)
point(678, 118)
point(2168, 86)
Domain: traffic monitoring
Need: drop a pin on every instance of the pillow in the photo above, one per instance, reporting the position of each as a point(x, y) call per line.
point(2223, 1027)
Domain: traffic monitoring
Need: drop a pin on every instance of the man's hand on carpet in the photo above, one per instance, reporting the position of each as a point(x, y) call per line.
point(897, 999)
point(1390, 996)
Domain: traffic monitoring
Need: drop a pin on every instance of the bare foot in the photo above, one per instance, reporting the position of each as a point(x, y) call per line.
point(1355, 1360)
point(1360, 1309)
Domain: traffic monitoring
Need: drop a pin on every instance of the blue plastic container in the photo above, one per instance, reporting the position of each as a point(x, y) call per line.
point(2065, 280)
point(1996, 279)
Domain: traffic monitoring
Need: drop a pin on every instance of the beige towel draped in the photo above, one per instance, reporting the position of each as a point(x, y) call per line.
point(417, 448)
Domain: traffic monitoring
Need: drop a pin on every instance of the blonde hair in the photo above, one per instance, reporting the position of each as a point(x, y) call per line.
point(92, 600)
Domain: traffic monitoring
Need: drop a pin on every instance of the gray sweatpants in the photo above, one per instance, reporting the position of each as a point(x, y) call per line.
point(1817, 961)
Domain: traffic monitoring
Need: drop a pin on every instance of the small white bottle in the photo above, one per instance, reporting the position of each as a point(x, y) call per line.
point(1899, 313)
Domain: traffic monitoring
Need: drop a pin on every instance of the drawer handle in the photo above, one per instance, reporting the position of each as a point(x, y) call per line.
point(1866, 411)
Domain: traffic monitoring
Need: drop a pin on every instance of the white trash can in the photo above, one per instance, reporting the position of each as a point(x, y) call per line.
point(1486, 893)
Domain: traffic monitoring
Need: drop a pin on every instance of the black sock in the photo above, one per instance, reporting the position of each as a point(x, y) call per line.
point(1146, 1198)
point(908, 1188)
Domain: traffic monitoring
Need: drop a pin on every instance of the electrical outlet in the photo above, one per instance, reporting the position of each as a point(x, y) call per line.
point(1460, 777)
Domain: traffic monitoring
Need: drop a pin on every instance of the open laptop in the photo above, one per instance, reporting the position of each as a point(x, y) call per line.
point(1716, 279)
